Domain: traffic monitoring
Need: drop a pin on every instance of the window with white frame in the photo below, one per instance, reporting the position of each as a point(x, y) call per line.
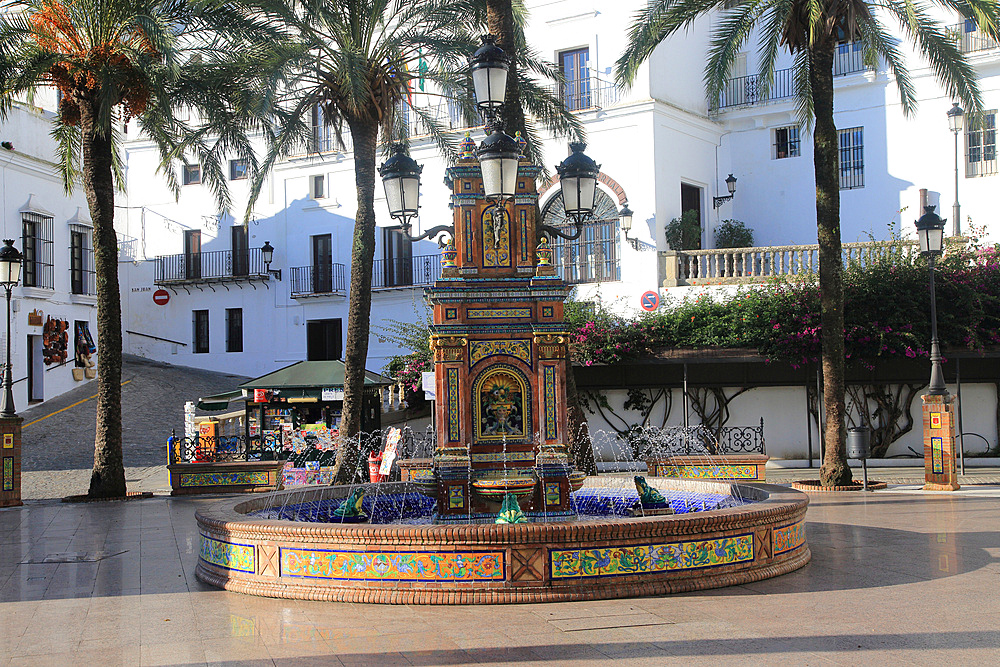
point(785, 142)
point(36, 248)
point(852, 158)
point(317, 186)
point(981, 145)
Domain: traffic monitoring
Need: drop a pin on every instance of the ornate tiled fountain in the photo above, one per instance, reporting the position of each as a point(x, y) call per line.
point(502, 517)
point(500, 357)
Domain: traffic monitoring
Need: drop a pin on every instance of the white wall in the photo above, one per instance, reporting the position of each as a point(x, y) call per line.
point(28, 173)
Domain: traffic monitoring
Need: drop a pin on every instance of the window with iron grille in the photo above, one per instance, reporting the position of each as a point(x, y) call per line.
point(981, 145)
point(36, 247)
point(81, 260)
point(786, 142)
point(852, 154)
point(234, 329)
point(594, 256)
point(200, 322)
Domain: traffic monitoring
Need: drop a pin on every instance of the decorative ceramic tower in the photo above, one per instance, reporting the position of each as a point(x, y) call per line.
point(500, 354)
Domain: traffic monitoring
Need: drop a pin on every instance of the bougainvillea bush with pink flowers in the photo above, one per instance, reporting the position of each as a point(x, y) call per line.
point(887, 314)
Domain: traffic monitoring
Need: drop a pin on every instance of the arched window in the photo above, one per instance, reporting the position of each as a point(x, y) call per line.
point(594, 257)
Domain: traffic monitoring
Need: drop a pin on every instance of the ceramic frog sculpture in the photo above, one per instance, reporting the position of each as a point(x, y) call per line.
point(350, 510)
point(649, 497)
point(510, 511)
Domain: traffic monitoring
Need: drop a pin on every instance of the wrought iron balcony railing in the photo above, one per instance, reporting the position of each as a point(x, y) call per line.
point(406, 271)
point(970, 39)
point(318, 280)
point(749, 90)
point(213, 266)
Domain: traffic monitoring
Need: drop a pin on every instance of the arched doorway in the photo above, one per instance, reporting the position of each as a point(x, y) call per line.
point(595, 256)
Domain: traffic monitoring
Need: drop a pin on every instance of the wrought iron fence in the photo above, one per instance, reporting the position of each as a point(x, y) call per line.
point(696, 441)
point(315, 280)
point(223, 449)
point(406, 271)
point(213, 265)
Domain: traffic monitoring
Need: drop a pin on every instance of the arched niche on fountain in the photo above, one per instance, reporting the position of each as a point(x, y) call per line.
point(502, 412)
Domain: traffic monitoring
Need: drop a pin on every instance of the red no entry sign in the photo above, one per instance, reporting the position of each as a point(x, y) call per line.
point(649, 301)
point(161, 297)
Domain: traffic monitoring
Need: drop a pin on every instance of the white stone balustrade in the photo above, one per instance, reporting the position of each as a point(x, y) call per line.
point(723, 266)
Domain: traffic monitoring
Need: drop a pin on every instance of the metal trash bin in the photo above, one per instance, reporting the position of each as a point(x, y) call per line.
point(859, 447)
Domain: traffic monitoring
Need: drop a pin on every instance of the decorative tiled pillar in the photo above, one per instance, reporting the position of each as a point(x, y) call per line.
point(939, 443)
point(10, 453)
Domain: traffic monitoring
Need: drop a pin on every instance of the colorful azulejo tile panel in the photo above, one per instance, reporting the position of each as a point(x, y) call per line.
point(645, 559)
point(239, 557)
point(239, 478)
point(498, 313)
point(398, 566)
point(499, 457)
point(8, 474)
point(710, 471)
point(789, 537)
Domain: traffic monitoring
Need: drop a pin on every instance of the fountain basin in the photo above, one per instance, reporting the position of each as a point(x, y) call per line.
point(489, 563)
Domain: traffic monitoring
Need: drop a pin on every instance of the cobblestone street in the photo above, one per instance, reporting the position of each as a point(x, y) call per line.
point(59, 435)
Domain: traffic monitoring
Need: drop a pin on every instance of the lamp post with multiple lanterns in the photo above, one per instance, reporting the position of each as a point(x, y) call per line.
point(499, 155)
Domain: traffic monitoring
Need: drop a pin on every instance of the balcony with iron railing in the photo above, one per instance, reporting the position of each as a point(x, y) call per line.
point(406, 272)
point(748, 90)
point(320, 280)
point(208, 267)
point(587, 93)
point(970, 39)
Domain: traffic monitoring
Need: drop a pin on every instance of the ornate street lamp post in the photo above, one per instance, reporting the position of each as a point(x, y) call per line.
point(10, 275)
point(955, 117)
point(930, 234)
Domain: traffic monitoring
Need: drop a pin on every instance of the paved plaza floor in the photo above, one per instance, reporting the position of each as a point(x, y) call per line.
point(896, 578)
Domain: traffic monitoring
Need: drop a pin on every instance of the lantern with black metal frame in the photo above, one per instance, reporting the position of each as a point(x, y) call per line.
point(930, 234)
point(10, 276)
point(267, 254)
point(731, 186)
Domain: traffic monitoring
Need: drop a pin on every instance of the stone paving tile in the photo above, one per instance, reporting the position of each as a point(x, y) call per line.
point(876, 580)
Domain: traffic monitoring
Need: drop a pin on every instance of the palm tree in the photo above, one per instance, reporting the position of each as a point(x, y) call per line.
point(811, 30)
point(113, 61)
point(355, 63)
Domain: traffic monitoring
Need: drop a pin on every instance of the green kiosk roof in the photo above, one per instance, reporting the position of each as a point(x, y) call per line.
point(311, 375)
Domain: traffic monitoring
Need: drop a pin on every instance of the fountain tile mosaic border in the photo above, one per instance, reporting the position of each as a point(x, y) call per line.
point(790, 537)
point(708, 471)
point(497, 313)
point(239, 478)
point(230, 555)
point(393, 566)
point(644, 559)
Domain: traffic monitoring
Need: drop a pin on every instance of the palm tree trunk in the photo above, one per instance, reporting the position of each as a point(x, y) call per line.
point(834, 470)
point(108, 477)
point(500, 23)
point(365, 136)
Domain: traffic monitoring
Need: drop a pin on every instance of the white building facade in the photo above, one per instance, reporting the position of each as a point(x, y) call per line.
point(196, 291)
point(54, 315)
